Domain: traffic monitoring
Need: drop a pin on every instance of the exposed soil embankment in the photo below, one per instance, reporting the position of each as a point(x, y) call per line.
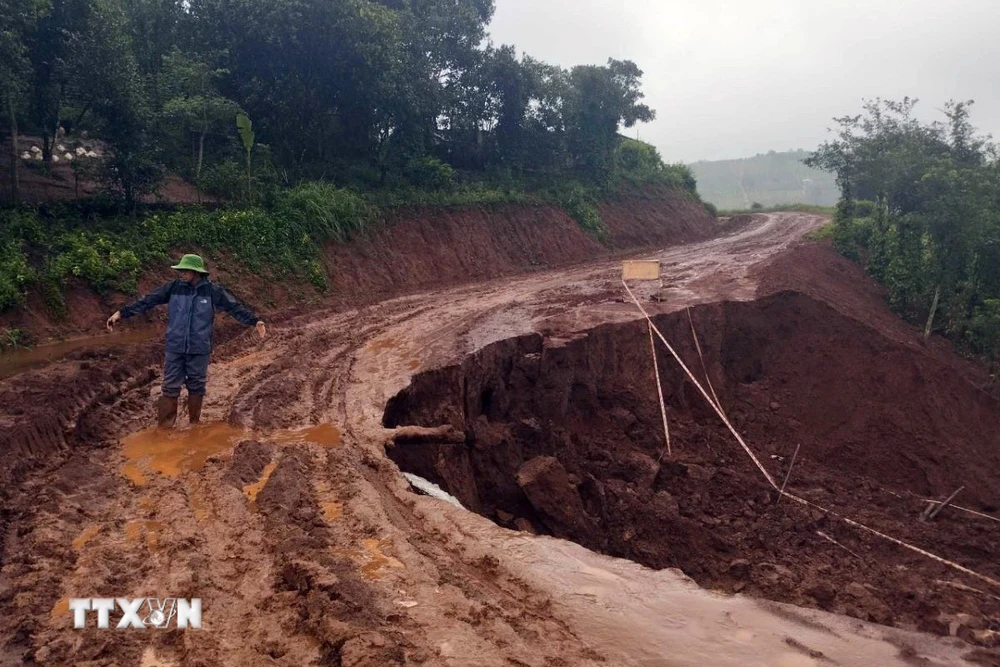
point(566, 440)
point(432, 247)
point(415, 249)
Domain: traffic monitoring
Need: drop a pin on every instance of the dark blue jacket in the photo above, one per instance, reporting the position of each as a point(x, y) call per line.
point(191, 313)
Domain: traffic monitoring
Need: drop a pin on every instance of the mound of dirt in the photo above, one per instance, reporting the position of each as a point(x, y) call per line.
point(567, 440)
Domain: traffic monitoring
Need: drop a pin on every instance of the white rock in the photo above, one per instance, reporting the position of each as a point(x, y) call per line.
point(91, 154)
point(61, 148)
point(431, 489)
point(26, 155)
point(69, 157)
point(36, 149)
point(55, 158)
point(38, 156)
point(81, 151)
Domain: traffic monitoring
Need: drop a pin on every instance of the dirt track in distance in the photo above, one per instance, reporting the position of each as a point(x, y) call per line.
point(307, 546)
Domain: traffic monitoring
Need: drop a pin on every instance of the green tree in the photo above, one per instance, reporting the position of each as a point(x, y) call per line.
point(193, 102)
point(59, 26)
point(932, 236)
point(104, 65)
point(16, 19)
point(601, 100)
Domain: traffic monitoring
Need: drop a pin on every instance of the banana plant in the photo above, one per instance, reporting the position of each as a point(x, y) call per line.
point(245, 128)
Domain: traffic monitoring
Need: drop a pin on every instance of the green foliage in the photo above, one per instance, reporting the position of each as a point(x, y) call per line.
point(712, 210)
point(930, 221)
point(983, 332)
point(798, 208)
point(430, 173)
point(323, 212)
point(756, 206)
point(864, 208)
point(823, 233)
point(12, 338)
point(97, 259)
point(225, 180)
point(16, 275)
point(581, 205)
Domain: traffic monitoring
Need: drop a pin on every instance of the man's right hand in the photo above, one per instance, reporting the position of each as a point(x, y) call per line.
point(113, 320)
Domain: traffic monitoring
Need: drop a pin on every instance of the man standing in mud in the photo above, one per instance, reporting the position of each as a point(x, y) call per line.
point(193, 300)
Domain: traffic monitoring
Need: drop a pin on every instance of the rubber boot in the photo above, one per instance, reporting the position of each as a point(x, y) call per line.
point(194, 408)
point(166, 412)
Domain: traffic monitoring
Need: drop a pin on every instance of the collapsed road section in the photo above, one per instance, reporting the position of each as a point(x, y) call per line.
point(566, 440)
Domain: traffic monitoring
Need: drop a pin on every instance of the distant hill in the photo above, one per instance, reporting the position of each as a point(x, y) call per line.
point(771, 179)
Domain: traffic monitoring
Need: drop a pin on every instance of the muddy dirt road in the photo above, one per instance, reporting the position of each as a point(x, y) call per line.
point(285, 515)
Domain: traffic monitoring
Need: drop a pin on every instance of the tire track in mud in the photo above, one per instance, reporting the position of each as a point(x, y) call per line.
point(334, 560)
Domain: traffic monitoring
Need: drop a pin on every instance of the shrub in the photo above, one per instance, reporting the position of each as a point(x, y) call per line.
point(581, 205)
point(11, 338)
point(429, 172)
point(864, 208)
point(226, 180)
point(16, 275)
point(324, 212)
point(100, 260)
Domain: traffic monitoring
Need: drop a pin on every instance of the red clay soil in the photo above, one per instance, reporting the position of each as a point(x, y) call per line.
point(318, 553)
point(566, 440)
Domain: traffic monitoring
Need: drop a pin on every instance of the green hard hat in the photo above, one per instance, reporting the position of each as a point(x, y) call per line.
point(191, 263)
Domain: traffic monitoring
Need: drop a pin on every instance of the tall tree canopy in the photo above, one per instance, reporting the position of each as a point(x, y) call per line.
point(338, 89)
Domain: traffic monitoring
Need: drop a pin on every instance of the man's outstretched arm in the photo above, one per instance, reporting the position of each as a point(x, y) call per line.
point(227, 302)
point(156, 298)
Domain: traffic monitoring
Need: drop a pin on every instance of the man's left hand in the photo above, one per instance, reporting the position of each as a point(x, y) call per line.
point(261, 329)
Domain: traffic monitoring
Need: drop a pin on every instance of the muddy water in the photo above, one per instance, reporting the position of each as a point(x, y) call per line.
point(171, 452)
point(19, 360)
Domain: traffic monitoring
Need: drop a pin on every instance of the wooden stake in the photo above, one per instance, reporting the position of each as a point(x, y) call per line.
point(704, 369)
point(659, 392)
point(937, 510)
point(788, 474)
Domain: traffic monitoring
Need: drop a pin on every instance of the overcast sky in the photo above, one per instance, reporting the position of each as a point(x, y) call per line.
point(732, 78)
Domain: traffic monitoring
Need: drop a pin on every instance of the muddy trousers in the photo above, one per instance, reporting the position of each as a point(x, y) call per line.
point(182, 369)
point(190, 370)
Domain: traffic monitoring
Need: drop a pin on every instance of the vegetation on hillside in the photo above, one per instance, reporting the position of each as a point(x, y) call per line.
point(362, 93)
point(921, 209)
point(771, 179)
point(302, 118)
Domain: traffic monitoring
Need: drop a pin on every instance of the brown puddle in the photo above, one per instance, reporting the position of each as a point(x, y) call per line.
point(172, 452)
point(371, 558)
point(60, 608)
point(377, 559)
point(134, 531)
point(332, 511)
point(20, 360)
point(251, 490)
point(88, 533)
point(133, 473)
